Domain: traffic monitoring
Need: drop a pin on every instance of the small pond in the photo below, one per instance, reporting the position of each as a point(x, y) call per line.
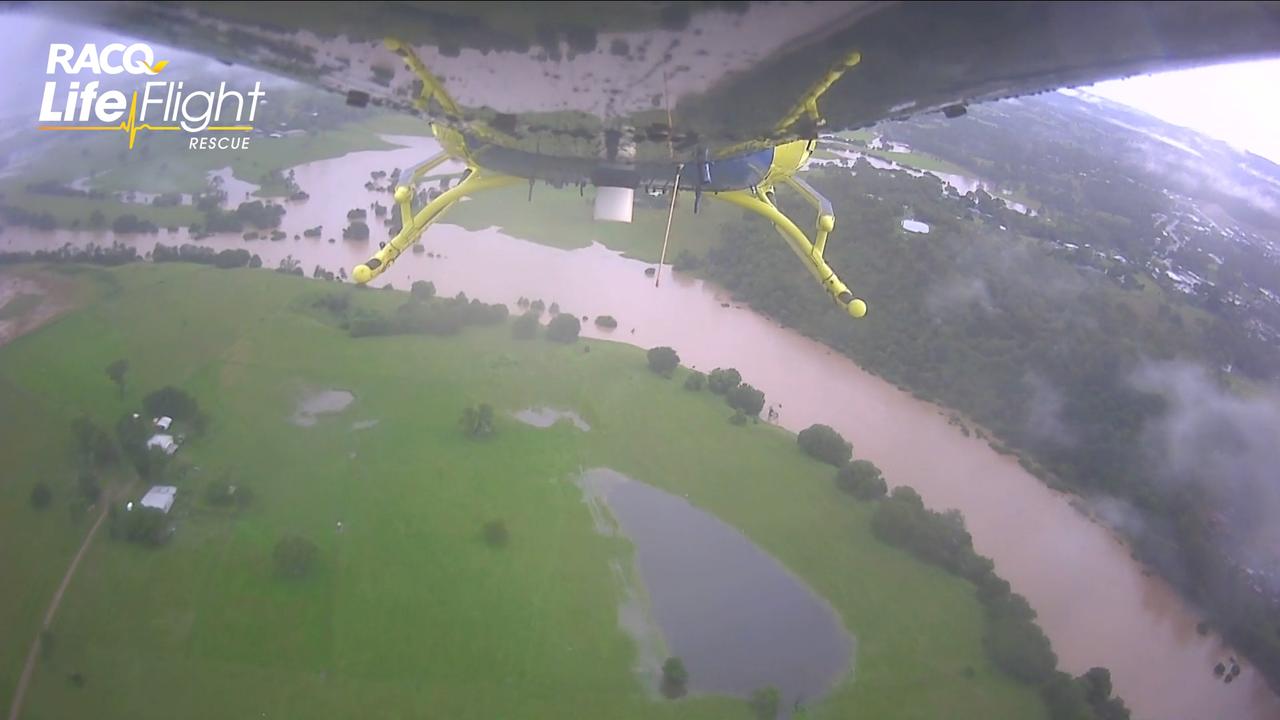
point(738, 619)
point(323, 402)
point(544, 417)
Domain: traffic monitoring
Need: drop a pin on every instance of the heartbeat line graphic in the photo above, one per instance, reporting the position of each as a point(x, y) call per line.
point(131, 126)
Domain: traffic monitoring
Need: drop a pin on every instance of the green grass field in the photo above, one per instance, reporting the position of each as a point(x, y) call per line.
point(921, 161)
point(409, 613)
point(562, 218)
point(163, 163)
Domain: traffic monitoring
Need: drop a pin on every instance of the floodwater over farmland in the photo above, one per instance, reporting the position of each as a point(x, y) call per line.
point(1096, 603)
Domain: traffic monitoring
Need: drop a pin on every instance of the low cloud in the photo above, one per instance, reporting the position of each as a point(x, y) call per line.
point(958, 293)
point(1227, 445)
point(1044, 411)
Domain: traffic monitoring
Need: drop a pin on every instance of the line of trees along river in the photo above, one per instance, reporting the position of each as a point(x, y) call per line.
point(1039, 352)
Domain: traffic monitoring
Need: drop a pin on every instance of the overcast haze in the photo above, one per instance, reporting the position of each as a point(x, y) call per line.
point(1238, 103)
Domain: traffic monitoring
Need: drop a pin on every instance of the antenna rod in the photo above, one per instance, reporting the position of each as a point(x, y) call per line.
point(675, 191)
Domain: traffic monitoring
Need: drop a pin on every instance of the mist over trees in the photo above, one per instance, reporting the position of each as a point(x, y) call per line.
point(1044, 353)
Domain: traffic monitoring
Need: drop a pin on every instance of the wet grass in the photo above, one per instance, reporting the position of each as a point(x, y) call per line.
point(20, 305)
point(409, 613)
point(563, 218)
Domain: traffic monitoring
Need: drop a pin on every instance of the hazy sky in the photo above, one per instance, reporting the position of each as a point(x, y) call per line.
point(1238, 103)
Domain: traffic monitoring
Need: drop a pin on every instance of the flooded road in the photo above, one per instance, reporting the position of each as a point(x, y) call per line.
point(1093, 600)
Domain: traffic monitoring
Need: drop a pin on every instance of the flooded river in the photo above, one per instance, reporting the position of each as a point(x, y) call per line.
point(1093, 600)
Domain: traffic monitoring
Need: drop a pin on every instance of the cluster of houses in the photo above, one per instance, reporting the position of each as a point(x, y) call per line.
point(161, 497)
point(162, 438)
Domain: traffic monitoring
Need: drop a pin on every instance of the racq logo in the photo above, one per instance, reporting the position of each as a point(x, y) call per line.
point(165, 105)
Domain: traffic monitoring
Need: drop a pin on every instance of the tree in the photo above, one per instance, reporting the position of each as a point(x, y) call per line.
point(675, 679)
point(172, 402)
point(221, 493)
point(41, 496)
point(746, 399)
point(357, 231)
point(116, 372)
point(422, 290)
point(478, 421)
point(563, 328)
point(824, 443)
point(525, 327)
point(1097, 683)
point(294, 556)
point(495, 533)
point(722, 380)
point(93, 443)
point(1020, 648)
point(142, 525)
point(695, 381)
point(862, 479)
point(1064, 698)
point(89, 488)
point(132, 433)
point(764, 703)
point(663, 360)
point(606, 321)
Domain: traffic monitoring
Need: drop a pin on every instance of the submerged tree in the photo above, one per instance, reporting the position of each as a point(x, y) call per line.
point(675, 678)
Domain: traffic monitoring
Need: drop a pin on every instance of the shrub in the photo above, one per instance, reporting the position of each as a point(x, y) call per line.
point(862, 479)
point(675, 678)
point(142, 525)
point(746, 399)
point(171, 401)
point(695, 381)
point(722, 380)
point(1020, 649)
point(764, 703)
point(294, 556)
point(663, 360)
point(563, 328)
point(525, 327)
point(422, 290)
point(824, 443)
point(41, 496)
point(221, 493)
point(496, 534)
